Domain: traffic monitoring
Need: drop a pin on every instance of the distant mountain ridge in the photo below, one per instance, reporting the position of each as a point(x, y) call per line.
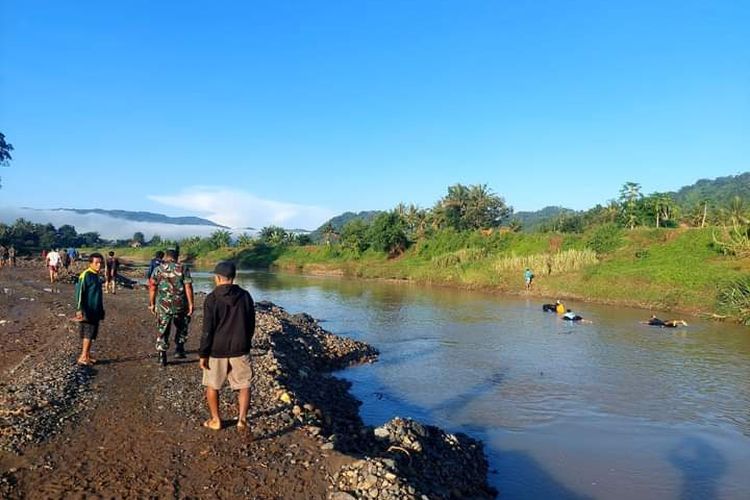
point(141, 216)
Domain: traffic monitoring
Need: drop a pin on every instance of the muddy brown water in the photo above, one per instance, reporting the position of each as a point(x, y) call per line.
point(612, 410)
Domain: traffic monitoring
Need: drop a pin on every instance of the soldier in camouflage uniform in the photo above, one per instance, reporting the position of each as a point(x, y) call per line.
point(171, 300)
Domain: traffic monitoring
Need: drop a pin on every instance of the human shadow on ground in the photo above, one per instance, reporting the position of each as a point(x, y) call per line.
point(701, 466)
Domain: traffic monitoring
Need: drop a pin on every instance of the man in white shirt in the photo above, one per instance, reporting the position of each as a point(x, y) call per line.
point(53, 262)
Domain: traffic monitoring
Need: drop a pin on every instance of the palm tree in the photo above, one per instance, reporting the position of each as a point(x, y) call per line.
point(630, 195)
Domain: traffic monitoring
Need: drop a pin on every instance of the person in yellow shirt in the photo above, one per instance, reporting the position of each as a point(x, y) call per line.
point(559, 307)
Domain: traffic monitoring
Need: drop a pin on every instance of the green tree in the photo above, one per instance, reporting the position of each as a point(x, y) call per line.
point(5, 149)
point(302, 239)
point(354, 236)
point(139, 238)
point(90, 239)
point(274, 235)
point(67, 235)
point(734, 213)
point(155, 241)
point(244, 240)
point(220, 238)
point(387, 233)
point(630, 196)
point(329, 234)
point(470, 208)
point(661, 207)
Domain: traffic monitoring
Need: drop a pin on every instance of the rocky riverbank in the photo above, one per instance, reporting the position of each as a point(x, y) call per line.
point(126, 427)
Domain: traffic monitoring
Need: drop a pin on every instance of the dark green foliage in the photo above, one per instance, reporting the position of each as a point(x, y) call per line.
point(28, 237)
point(220, 238)
point(605, 239)
point(387, 233)
point(5, 149)
point(139, 238)
point(354, 236)
point(302, 239)
point(470, 207)
point(733, 298)
point(274, 235)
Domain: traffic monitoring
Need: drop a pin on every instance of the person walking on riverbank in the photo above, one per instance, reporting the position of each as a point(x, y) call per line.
point(170, 296)
point(528, 277)
point(53, 264)
point(155, 262)
point(89, 306)
point(228, 327)
point(111, 266)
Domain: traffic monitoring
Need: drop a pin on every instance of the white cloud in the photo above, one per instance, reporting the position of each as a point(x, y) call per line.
point(236, 208)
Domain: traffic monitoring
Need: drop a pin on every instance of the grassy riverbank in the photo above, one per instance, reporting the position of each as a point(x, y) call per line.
point(664, 269)
point(660, 269)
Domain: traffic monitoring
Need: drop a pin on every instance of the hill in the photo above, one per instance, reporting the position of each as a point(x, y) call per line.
point(532, 221)
point(340, 221)
point(143, 217)
point(718, 192)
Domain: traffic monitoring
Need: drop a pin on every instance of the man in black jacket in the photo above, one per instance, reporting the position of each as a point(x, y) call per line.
point(228, 327)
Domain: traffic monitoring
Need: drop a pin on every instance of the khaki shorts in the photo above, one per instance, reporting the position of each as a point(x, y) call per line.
point(238, 370)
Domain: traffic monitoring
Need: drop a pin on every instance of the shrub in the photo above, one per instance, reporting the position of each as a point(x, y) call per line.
point(605, 239)
point(733, 299)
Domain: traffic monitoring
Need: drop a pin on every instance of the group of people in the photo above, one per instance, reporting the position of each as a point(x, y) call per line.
point(7, 256)
point(57, 259)
point(563, 313)
point(227, 330)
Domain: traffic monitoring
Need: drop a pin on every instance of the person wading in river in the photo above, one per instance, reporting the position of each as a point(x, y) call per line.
point(228, 327)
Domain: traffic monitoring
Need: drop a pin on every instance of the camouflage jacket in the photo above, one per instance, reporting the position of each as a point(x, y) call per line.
point(170, 279)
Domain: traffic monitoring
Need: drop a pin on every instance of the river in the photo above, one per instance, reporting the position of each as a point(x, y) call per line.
point(612, 410)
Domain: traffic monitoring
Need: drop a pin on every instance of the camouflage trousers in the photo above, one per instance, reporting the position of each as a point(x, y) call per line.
point(164, 321)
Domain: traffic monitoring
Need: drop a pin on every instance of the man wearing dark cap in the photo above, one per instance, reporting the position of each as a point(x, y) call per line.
point(228, 327)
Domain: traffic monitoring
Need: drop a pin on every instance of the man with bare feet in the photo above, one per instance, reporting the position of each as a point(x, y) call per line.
point(228, 327)
point(89, 306)
point(53, 264)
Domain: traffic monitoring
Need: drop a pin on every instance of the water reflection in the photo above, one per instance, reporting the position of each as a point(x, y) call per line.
point(567, 411)
point(701, 466)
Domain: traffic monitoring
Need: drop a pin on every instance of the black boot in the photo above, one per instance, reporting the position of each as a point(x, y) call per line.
point(179, 351)
point(162, 358)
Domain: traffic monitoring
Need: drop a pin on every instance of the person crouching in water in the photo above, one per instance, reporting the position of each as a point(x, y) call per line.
point(170, 295)
point(228, 327)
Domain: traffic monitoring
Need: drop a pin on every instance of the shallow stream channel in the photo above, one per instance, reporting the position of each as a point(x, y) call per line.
point(613, 409)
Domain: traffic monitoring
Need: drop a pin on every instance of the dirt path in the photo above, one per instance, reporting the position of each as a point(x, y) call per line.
point(128, 440)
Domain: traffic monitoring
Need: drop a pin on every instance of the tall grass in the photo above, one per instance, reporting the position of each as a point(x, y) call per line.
point(565, 261)
point(463, 256)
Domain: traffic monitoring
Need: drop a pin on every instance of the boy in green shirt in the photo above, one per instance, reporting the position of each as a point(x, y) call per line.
point(89, 306)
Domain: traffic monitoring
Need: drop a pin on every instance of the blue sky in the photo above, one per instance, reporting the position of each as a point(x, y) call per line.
point(251, 113)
